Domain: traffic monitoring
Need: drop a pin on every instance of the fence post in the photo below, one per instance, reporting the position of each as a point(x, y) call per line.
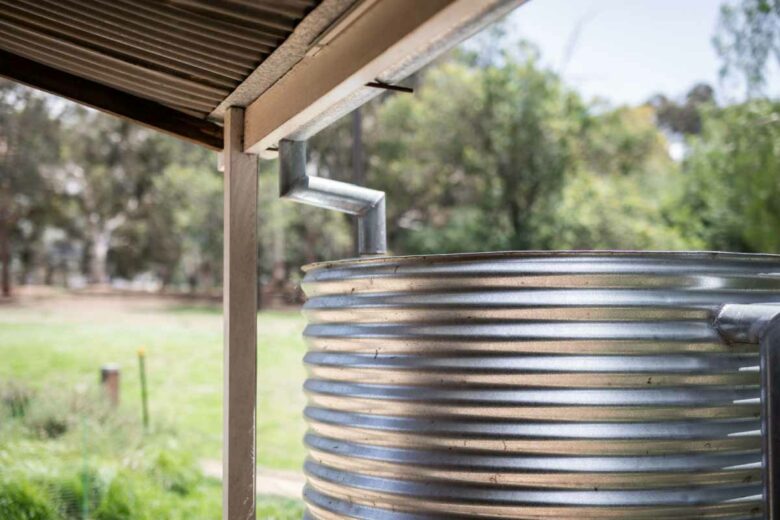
point(109, 380)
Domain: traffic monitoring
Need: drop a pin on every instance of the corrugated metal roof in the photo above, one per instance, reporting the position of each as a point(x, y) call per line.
point(165, 63)
point(186, 54)
point(177, 65)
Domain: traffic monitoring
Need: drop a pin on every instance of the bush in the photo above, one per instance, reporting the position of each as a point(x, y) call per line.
point(133, 495)
point(67, 491)
point(48, 418)
point(176, 473)
point(23, 500)
point(130, 476)
point(122, 500)
point(16, 399)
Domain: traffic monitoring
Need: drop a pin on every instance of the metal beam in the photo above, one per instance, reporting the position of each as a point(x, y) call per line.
point(240, 315)
point(107, 99)
point(384, 41)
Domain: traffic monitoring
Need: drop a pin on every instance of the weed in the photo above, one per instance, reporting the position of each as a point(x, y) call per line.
point(21, 499)
point(16, 398)
point(177, 474)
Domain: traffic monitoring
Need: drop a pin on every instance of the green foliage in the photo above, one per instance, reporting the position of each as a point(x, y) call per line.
point(130, 496)
point(272, 508)
point(683, 117)
point(29, 144)
point(20, 499)
point(120, 476)
point(732, 179)
point(53, 351)
point(494, 139)
point(16, 398)
point(618, 198)
point(502, 156)
point(66, 490)
point(138, 495)
point(460, 229)
point(624, 142)
point(177, 474)
point(748, 37)
point(109, 169)
point(493, 151)
point(184, 226)
point(597, 212)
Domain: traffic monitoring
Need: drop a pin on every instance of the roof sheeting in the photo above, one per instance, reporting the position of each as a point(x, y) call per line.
point(176, 65)
point(185, 54)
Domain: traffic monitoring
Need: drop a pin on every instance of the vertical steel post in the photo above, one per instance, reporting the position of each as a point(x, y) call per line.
point(760, 323)
point(240, 315)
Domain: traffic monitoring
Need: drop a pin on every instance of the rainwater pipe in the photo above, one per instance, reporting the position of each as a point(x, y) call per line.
point(369, 205)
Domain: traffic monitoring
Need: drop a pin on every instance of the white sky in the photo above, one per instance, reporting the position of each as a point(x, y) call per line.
point(627, 50)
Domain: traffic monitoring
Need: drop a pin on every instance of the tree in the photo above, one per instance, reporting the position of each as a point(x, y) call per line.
point(683, 118)
point(28, 143)
point(597, 212)
point(183, 214)
point(623, 142)
point(475, 155)
point(109, 169)
point(732, 181)
point(525, 123)
point(615, 197)
point(747, 39)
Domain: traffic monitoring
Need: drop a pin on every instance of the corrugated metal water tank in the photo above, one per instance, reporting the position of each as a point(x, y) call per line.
point(533, 385)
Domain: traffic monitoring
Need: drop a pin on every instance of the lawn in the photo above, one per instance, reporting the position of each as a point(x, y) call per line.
point(54, 347)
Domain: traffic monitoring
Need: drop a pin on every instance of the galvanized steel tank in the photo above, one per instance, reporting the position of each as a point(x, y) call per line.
point(533, 385)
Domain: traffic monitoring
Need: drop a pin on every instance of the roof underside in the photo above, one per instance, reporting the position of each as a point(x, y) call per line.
point(176, 65)
point(186, 56)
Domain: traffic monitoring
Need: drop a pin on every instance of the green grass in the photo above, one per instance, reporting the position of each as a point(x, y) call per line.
point(52, 351)
point(274, 508)
point(62, 346)
point(45, 482)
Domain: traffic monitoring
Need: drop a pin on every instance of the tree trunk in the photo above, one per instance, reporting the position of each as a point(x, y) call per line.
point(5, 259)
point(100, 239)
point(48, 273)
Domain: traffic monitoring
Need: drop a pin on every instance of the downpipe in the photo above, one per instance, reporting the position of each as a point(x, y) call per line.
point(760, 324)
point(369, 205)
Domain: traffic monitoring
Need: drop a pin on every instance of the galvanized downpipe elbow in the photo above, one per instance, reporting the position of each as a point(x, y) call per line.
point(367, 204)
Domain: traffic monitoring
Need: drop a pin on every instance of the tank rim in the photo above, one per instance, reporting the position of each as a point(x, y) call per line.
point(493, 255)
